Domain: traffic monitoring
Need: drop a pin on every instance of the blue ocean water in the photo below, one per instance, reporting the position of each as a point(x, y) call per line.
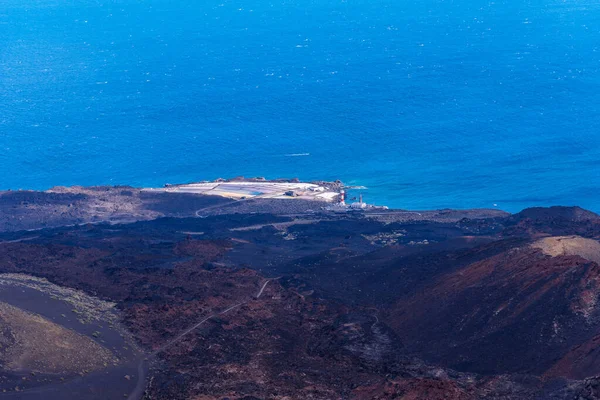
point(428, 103)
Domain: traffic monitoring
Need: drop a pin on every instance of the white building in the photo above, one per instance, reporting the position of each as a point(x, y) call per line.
point(359, 205)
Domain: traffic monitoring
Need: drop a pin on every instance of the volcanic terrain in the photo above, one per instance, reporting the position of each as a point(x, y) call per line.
point(251, 300)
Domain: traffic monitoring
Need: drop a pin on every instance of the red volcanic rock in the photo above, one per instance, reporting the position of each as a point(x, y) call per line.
point(350, 321)
point(202, 250)
point(581, 361)
point(518, 311)
point(414, 389)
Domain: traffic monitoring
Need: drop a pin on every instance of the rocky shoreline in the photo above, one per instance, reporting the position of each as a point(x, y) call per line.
point(63, 206)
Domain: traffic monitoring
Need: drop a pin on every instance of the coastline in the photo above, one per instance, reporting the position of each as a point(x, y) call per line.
point(396, 194)
point(77, 205)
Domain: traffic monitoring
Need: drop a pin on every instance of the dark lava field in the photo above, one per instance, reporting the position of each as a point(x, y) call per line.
point(282, 300)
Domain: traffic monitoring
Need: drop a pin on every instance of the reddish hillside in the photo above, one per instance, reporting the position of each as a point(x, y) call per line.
point(518, 311)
